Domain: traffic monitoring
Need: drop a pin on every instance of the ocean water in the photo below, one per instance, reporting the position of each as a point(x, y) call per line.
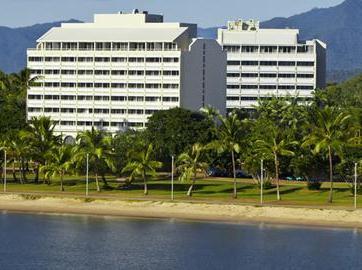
point(82, 242)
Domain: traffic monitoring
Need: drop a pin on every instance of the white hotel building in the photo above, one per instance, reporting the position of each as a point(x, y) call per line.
point(266, 62)
point(116, 72)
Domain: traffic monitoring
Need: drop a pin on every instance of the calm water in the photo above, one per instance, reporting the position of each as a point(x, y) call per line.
point(67, 242)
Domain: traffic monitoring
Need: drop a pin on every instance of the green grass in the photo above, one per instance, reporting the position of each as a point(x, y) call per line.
point(210, 190)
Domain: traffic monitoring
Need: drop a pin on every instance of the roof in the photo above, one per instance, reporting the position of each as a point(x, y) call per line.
point(58, 34)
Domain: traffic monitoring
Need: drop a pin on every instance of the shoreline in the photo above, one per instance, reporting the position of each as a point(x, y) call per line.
point(192, 211)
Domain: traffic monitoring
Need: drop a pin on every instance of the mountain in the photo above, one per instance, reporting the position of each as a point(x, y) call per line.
point(339, 26)
point(15, 41)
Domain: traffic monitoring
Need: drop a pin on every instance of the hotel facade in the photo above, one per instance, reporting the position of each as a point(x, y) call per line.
point(262, 63)
point(115, 73)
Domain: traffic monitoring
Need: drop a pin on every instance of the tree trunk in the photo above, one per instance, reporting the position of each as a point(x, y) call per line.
point(23, 170)
point(145, 192)
point(330, 199)
point(276, 162)
point(191, 188)
point(36, 178)
point(104, 180)
point(14, 171)
point(235, 193)
point(61, 182)
point(97, 183)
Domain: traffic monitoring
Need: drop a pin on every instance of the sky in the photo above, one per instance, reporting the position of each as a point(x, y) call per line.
point(206, 13)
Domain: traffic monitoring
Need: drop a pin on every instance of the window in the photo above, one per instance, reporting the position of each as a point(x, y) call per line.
point(101, 98)
point(51, 59)
point(102, 59)
point(118, 72)
point(119, 98)
point(249, 49)
point(120, 46)
point(101, 72)
point(66, 46)
point(68, 59)
point(86, 46)
point(268, 75)
point(101, 111)
point(286, 63)
point(153, 60)
point(32, 109)
point(68, 72)
point(136, 85)
point(67, 123)
point(35, 97)
point(249, 75)
point(85, 72)
point(268, 87)
point(136, 59)
point(170, 86)
point(136, 72)
point(101, 85)
point(249, 63)
point(305, 87)
point(233, 98)
point(305, 75)
point(67, 110)
point(35, 59)
point(233, 63)
point(66, 97)
point(170, 60)
point(153, 73)
point(85, 85)
point(170, 99)
point(137, 46)
point(268, 63)
point(286, 49)
point(286, 75)
point(119, 59)
point(233, 86)
point(168, 46)
point(154, 46)
point(232, 49)
point(243, 86)
point(286, 87)
point(170, 73)
point(68, 84)
point(233, 75)
point(305, 64)
point(152, 99)
point(118, 85)
point(153, 85)
point(118, 111)
point(134, 111)
point(85, 59)
point(139, 99)
point(103, 46)
point(268, 49)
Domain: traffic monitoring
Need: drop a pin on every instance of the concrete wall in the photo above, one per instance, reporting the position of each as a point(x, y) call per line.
point(203, 81)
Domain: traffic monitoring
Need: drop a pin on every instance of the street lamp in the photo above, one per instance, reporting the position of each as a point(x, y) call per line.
point(172, 165)
point(87, 177)
point(355, 186)
point(261, 181)
point(5, 164)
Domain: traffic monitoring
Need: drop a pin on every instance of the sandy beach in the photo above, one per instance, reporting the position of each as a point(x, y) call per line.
point(182, 210)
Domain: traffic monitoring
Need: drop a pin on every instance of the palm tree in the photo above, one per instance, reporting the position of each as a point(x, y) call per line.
point(42, 139)
point(229, 136)
point(328, 133)
point(141, 164)
point(273, 146)
point(97, 145)
point(59, 162)
point(191, 163)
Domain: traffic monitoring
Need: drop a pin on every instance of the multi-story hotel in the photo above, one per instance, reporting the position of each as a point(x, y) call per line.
point(269, 62)
point(116, 72)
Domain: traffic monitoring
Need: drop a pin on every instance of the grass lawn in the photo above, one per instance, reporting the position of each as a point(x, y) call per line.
point(211, 190)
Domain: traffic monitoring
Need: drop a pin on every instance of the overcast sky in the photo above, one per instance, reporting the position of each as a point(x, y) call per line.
point(15, 13)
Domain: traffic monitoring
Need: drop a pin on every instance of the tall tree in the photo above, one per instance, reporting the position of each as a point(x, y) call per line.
point(58, 164)
point(229, 136)
point(273, 145)
point(190, 163)
point(142, 165)
point(97, 144)
point(40, 134)
point(328, 134)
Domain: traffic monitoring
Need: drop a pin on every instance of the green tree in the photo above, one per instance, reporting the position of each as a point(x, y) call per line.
point(41, 137)
point(190, 163)
point(273, 145)
point(59, 162)
point(142, 165)
point(97, 144)
point(229, 136)
point(328, 134)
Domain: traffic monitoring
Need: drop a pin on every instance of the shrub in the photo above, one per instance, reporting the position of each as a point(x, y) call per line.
point(314, 185)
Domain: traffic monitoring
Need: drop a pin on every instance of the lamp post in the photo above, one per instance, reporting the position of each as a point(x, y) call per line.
point(5, 164)
point(355, 186)
point(172, 191)
point(87, 177)
point(261, 180)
